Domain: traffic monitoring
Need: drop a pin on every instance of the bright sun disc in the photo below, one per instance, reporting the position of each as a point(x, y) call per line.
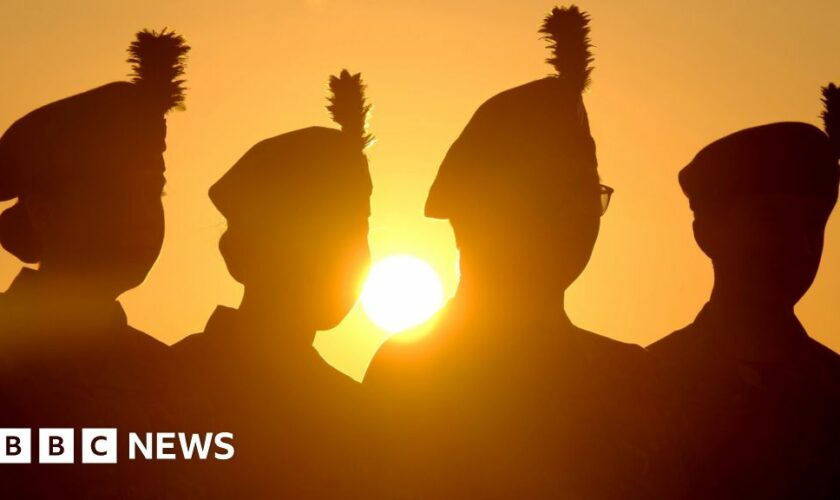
point(401, 292)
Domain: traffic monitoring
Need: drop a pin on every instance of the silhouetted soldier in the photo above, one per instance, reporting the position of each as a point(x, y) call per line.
point(761, 396)
point(508, 398)
point(297, 208)
point(88, 173)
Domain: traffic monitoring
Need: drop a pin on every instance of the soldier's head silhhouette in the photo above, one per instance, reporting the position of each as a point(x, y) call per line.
point(297, 208)
point(87, 172)
point(761, 198)
point(520, 185)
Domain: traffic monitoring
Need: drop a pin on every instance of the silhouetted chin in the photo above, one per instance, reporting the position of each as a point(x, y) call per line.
point(329, 313)
point(318, 304)
point(233, 261)
point(537, 250)
point(340, 279)
point(330, 319)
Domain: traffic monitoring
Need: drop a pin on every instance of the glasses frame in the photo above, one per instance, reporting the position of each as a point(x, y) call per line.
point(605, 193)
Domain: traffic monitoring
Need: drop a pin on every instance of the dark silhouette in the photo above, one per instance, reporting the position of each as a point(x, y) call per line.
point(87, 172)
point(297, 208)
point(508, 399)
point(762, 398)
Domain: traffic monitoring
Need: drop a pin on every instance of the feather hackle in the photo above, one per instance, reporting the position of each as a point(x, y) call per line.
point(349, 107)
point(567, 31)
point(831, 115)
point(157, 65)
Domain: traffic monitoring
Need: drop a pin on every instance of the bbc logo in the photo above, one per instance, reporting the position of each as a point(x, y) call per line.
point(99, 446)
point(56, 446)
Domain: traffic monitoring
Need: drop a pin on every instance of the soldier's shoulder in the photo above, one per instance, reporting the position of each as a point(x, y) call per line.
point(188, 344)
point(674, 345)
point(5, 315)
point(823, 352)
point(197, 353)
point(605, 350)
point(10, 312)
point(407, 360)
point(392, 357)
point(143, 343)
point(143, 354)
point(602, 364)
point(609, 345)
point(823, 359)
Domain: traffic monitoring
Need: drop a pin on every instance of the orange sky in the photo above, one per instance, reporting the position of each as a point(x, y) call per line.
point(669, 78)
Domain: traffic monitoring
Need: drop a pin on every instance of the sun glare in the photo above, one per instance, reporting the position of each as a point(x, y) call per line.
point(401, 292)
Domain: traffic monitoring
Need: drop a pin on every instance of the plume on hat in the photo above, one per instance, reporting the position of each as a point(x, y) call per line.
point(567, 31)
point(157, 63)
point(348, 106)
point(831, 115)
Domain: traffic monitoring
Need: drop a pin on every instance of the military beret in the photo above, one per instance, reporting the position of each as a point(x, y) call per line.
point(305, 169)
point(787, 157)
point(88, 133)
point(525, 137)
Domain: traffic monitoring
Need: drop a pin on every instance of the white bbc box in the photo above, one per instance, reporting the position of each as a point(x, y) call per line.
point(99, 446)
point(15, 446)
point(55, 446)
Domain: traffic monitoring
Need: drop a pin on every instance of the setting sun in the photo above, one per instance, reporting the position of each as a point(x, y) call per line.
point(401, 292)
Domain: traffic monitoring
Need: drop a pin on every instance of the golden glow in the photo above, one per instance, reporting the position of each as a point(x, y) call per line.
point(667, 81)
point(401, 292)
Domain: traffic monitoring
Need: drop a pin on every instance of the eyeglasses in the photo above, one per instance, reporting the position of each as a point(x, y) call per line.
point(606, 194)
